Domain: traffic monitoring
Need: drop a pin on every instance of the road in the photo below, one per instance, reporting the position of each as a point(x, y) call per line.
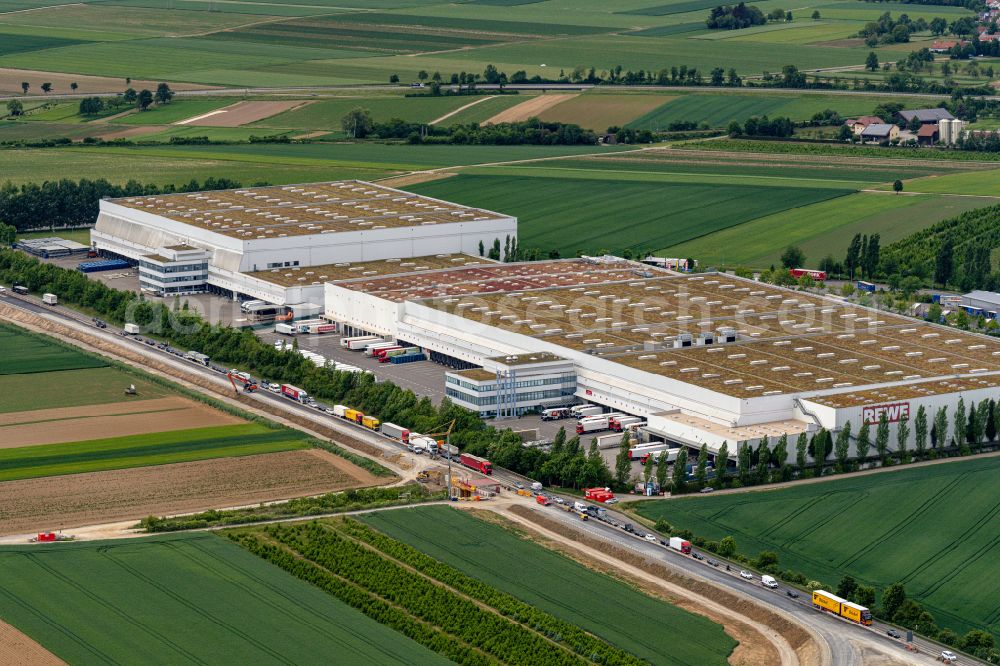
point(527, 87)
point(839, 635)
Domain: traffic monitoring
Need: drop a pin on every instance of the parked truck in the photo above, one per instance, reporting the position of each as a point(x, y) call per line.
point(592, 424)
point(396, 432)
point(285, 329)
point(132, 329)
point(579, 411)
point(339, 410)
point(294, 392)
point(680, 545)
point(555, 413)
point(197, 357)
point(372, 347)
point(421, 444)
point(475, 462)
point(637, 452)
point(386, 355)
point(361, 343)
point(620, 423)
point(345, 342)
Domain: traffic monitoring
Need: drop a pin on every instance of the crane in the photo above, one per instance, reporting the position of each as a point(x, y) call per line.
point(249, 385)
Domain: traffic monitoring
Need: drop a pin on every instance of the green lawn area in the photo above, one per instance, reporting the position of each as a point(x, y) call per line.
point(562, 210)
point(933, 528)
point(978, 183)
point(326, 114)
point(159, 448)
point(72, 388)
point(25, 353)
point(78, 235)
point(649, 628)
point(821, 229)
point(192, 598)
point(178, 109)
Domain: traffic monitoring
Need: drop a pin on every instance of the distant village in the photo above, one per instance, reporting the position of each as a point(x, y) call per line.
point(916, 126)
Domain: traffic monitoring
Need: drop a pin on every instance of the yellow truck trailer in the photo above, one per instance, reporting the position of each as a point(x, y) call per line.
point(370, 422)
point(848, 610)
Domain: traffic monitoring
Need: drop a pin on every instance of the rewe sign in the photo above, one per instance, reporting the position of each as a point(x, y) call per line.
point(893, 412)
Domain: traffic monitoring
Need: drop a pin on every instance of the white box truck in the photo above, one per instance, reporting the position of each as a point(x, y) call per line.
point(592, 424)
point(284, 329)
point(132, 329)
point(580, 411)
point(345, 342)
point(50, 299)
point(680, 545)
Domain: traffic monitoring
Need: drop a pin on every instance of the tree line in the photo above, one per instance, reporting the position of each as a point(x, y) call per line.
point(76, 203)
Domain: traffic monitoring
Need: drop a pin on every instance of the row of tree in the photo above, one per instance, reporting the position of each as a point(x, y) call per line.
point(72, 203)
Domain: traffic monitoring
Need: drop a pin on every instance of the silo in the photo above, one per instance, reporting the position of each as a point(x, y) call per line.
point(957, 126)
point(944, 131)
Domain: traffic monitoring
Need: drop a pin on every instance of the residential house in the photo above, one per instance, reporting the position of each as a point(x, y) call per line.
point(858, 124)
point(880, 132)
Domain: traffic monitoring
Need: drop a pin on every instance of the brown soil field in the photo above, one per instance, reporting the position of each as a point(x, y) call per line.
point(10, 82)
point(76, 424)
point(529, 108)
point(242, 113)
point(600, 111)
point(78, 500)
point(129, 132)
point(415, 178)
point(17, 649)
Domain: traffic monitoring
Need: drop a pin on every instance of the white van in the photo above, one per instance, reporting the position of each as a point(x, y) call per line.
point(768, 581)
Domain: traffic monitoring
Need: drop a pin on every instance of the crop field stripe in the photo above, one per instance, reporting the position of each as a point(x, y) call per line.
point(906, 520)
point(792, 515)
point(811, 527)
point(978, 525)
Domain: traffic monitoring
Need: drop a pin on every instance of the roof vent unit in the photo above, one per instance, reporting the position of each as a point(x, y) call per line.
point(706, 338)
point(683, 340)
point(726, 335)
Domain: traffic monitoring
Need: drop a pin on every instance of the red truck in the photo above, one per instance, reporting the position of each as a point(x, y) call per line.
point(598, 494)
point(543, 500)
point(294, 392)
point(475, 462)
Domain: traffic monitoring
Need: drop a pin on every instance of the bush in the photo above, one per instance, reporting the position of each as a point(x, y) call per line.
point(663, 526)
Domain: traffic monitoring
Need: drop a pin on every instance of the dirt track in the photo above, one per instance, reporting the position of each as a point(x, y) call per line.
point(528, 108)
point(765, 637)
point(16, 649)
point(74, 424)
point(242, 113)
point(130, 494)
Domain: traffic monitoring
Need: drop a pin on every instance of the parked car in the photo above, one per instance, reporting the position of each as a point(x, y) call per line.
point(892, 633)
point(707, 489)
point(613, 500)
point(792, 593)
point(746, 574)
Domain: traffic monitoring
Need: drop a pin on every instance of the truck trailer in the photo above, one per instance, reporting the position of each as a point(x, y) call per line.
point(831, 603)
point(396, 432)
point(285, 329)
point(579, 411)
point(592, 424)
point(680, 545)
point(637, 452)
point(372, 347)
point(197, 357)
point(620, 423)
point(345, 342)
point(475, 462)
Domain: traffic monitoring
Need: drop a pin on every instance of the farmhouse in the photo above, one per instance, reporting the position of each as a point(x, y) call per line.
point(857, 125)
point(927, 134)
point(283, 231)
point(880, 132)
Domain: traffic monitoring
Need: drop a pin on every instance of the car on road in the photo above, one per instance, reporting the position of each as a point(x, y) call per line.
point(948, 657)
point(274, 388)
point(613, 500)
point(519, 485)
point(151, 343)
point(712, 563)
point(746, 574)
point(697, 556)
point(707, 489)
point(559, 500)
point(651, 538)
point(892, 633)
point(792, 593)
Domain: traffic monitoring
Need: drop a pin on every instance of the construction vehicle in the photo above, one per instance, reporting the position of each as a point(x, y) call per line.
point(131, 390)
point(248, 385)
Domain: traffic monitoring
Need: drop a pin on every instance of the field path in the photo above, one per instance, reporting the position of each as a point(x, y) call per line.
point(529, 108)
point(459, 109)
point(17, 649)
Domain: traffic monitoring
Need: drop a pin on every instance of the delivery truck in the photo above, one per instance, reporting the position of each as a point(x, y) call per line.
point(345, 342)
point(579, 411)
point(555, 413)
point(396, 432)
point(637, 452)
point(284, 329)
point(831, 603)
point(372, 351)
point(293, 392)
point(620, 423)
point(592, 424)
point(475, 462)
point(132, 329)
point(50, 299)
point(768, 581)
point(680, 545)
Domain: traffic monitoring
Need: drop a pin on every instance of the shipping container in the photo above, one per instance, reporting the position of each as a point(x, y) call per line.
point(105, 265)
point(407, 358)
point(475, 462)
point(396, 432)
point(294, 392)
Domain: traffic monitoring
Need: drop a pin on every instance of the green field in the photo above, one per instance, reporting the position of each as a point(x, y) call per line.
point(649, 628)
point(933, 528)
point(72, 388)
point(81, 236)
point(326, 114)
point(159, 448)
point(977, 183)
point(560, 211)
point(193, 598)
point(177, 110)
point(25, 352)
point(821, 229)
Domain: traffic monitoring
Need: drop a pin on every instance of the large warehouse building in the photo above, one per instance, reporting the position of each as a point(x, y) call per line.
point(280, 244)
point(705, 358)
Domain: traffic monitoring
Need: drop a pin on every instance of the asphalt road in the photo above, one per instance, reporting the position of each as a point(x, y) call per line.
point(835, 632)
